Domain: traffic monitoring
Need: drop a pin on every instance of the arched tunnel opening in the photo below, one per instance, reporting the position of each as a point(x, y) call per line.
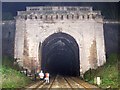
point(60, 55)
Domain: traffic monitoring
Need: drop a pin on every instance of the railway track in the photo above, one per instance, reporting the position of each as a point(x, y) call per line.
point(63, 82)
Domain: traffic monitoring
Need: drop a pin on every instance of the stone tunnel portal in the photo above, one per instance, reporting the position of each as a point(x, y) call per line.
point(60, 55)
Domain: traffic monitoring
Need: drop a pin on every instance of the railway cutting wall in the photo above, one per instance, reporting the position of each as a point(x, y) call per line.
point(35, 24)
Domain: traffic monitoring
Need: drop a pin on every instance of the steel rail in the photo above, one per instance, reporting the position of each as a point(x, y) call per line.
point(86, 87)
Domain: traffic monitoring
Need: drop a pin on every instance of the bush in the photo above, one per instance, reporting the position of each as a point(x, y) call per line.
point(11, 78)
point(108, 73)
point(7, 61)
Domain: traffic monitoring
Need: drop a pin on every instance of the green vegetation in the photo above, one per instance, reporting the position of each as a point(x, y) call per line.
point(108, 73)
point(11, 78)
point(7, 61)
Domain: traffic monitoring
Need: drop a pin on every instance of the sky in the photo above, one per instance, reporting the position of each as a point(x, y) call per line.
point(61, 0)
point(109, 9)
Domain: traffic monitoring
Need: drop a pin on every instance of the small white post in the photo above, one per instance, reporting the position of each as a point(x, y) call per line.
point(98, 81)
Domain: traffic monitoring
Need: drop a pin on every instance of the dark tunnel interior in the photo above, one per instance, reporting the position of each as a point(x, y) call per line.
point(60, 55)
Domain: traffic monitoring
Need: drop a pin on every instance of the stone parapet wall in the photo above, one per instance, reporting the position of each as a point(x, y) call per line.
point(59, 13)
point(59, 8)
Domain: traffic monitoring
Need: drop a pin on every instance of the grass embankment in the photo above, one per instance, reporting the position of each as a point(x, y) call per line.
point(11, 78)
point(108, 73)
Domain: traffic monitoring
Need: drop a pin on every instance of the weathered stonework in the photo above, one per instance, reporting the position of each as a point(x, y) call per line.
point(35, 24)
